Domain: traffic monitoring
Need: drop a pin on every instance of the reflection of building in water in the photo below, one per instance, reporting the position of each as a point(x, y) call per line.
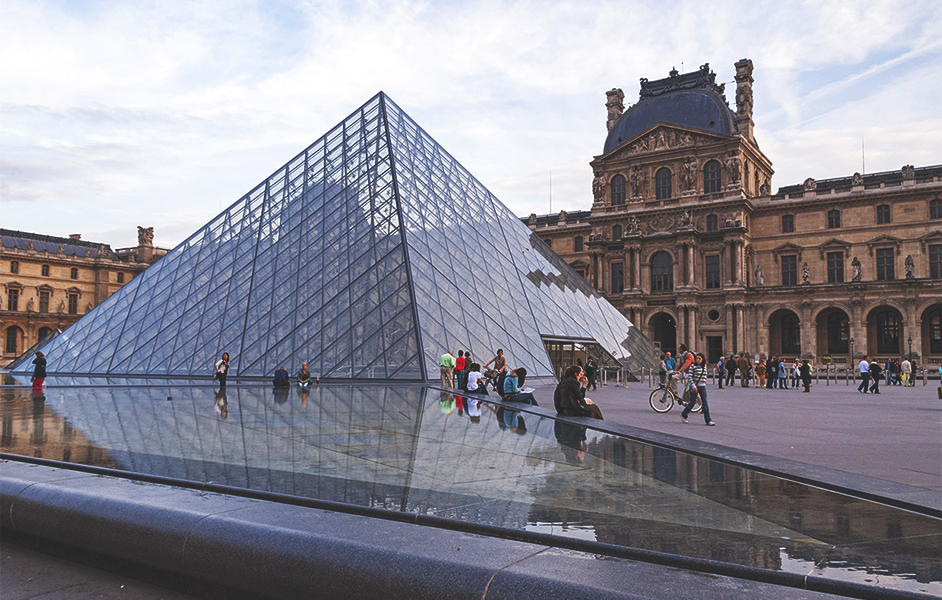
point(30, 428)
point(401, 449)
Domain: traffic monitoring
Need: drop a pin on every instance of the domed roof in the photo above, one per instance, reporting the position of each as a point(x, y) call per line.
point(690, 100)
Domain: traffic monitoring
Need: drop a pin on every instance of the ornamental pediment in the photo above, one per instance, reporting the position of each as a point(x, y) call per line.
point(833, 245)
point(663, 137)
point(787, 249)
point(884, 241)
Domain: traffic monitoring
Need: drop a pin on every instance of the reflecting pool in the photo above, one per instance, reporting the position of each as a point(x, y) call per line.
point(423, 451)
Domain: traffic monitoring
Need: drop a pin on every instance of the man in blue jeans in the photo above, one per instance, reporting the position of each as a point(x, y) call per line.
point(864, 368)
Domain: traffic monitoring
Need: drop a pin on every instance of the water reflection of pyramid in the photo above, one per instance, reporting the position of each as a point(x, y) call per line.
point(368, 255)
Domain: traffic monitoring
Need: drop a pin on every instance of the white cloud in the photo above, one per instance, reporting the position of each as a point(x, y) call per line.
point(123, 114)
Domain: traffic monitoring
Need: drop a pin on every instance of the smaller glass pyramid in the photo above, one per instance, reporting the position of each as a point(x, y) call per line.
point(368, 256)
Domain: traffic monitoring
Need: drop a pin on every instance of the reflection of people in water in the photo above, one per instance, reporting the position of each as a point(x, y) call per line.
point(222, 403)
point(303, 393)
point(572, 441)
point(281, 395)
point(446, 403)
point(474, 410)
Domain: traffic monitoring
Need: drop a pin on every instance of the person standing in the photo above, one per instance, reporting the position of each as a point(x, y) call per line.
point(222, 369)
point(760, 373)
point(744, 368)
point(875, 371)
point(796, 374)
point(447, 364)
point(864, 368)
point(771, 371)
point(731, 367)
point(906, 368)
point(591, 373)
point(721, 372)
point(39, 372)
point(459, 368)
point(782, 375)
point(805, 372)
point(697, 374)
point(670, 362)
point(662, 371)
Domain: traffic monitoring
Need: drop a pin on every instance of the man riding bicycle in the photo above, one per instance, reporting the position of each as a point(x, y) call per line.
point(684, 360)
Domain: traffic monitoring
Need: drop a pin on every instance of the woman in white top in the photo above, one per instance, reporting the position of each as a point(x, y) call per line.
point(476, 381)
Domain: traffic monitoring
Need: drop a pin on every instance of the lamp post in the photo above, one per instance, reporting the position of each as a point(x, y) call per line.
point(910, 341)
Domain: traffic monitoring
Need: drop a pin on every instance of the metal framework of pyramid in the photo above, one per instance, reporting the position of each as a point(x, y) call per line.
point(368, 255)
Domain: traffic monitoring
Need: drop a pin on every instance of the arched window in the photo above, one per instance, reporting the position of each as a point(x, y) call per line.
point(618, 190)
point(711, 177)
point(838, 332)
point(888, 326)
point(13, 333)
point(712, 223)
point(43, 332)
point(616, 232)
point(662, 181)
point(662, 272)
point(935, 331)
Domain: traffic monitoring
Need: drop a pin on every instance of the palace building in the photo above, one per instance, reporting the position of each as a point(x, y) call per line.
point(686, 238)
point(49, 282)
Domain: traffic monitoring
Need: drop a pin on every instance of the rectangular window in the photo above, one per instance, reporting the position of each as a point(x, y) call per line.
point(834, 219)
point(935, 261)
point(885, 264)
point(618, 278)
point(835, 267)
point(788, 223)
point(713, 271)
point(43, 301)
point(45, 270)
point(576, 246)
point(883, 214)
point(120, 277)
point(13, 299)
point(15, 266)
point(73, 304)
point(73, 273)
point(790, 270)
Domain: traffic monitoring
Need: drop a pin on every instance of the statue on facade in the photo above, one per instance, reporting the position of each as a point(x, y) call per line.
point(910, 267)
point(598, 188)
point(909, 172)
point(857, 180)
point(29, 305)
point(636, 179)
point(805, 274)
point(61, 308)
point(633, 224)
point(732, 169)
point(765, 190)
point(531, 220)
point(145, 237)
point(855, 269)
point(810, 184)
point(760, 275)
point(88, 308)
point(688, 174)
point(684, 222)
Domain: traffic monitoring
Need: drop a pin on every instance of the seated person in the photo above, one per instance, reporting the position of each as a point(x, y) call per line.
point(281, 377)
point(569, 397)
point(512, 389)
point(477, 383)
point(304, 376)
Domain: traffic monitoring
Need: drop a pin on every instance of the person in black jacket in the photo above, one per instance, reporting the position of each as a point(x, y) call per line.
point(569, 397)
point(805, 373)
point(875, 371)
point(39, 372)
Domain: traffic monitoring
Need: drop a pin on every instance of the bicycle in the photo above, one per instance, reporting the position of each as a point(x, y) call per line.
point(663, 398)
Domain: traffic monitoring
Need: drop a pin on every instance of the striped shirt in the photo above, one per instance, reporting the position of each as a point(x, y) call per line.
point(697, 375)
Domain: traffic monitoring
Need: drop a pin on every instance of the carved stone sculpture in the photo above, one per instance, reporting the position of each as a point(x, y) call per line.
point(733, 169)
point(688, 175)
point(855, 269)
point(760, 275)
point(531, 220)
point(909, 172)
point(810, 184)
point(805, 274)
point(633, 225)
point(858, 179)
point(145, 237)
point(598, 188)
point(765, 190)
point(910, 267)
point(29, 305)
point(61, 308)
point(636, 179)
point(684, 222)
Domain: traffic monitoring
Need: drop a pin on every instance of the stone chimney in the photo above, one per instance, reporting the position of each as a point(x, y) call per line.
point(744, 123)
point(614, 105)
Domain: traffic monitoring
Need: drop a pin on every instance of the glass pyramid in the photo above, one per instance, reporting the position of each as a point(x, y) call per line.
point(368, 255)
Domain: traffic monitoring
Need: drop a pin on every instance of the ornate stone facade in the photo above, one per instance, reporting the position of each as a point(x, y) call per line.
point(685, 237)
point(50, 282)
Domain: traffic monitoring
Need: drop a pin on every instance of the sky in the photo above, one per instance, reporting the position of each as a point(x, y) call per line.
point(115, 114)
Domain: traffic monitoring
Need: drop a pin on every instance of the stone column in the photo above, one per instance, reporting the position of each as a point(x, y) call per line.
point(740, 328)
point(690, 264)
point(677, 269)
point(730, 330)
point(638, 284)
point(692, 326)
point(682, 326)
